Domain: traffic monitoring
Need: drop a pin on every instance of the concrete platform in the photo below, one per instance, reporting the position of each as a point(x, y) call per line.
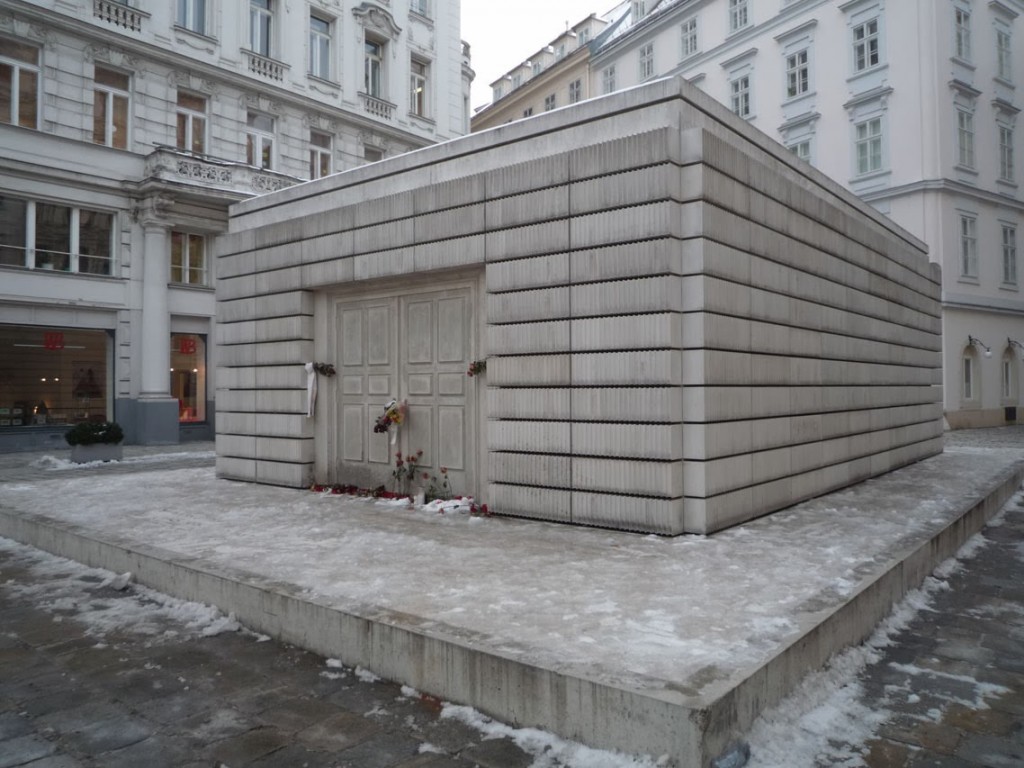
point(634, 643)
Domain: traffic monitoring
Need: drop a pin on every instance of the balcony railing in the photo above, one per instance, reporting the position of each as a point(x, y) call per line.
point(264, 66)
point(119, 14)
point(220, 177)
point(377, 107)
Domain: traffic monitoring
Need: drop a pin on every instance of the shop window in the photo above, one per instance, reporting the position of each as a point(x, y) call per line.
point(53, 376)
point(188, 376)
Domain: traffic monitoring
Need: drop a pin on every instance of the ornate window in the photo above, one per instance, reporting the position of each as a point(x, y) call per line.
point(191, 128)
point(259, 140)
point(19, 83)
point(965, 138)
point(962, 33)
point(868, 144)
point(261, 20)
point(320, 38)
point(192, 15)
point(798, 74)
point(688, 30)
point(866, 48)
point(319, 155)
point(739, 15)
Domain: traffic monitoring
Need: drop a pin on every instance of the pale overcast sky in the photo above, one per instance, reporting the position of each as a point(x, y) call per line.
point(502, 34)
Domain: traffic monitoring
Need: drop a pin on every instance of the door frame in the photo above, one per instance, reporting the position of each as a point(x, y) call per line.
point(325, 343)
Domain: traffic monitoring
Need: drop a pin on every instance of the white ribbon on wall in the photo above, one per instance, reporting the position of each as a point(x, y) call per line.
point(310, 389)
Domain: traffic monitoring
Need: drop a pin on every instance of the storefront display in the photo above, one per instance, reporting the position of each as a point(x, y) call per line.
point(188, 375)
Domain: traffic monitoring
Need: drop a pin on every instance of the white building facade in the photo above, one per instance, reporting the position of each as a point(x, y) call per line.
point(126, 130)
point(912, 104)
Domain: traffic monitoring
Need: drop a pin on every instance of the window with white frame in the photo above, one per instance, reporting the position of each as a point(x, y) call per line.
point(373, 69)
point(260, 26)
point(192, 15)
point(1009, 380)
point(537, 68)
point(965, 138)
point(646, 61)
point(422, 7)
point(1004, 53)
point(419, 78)
point(320, 39)
point(261, 18)
point(798, 74)
point(191, 122)
point(968, 383)
point(584, 36)
point(496, 92)
point(801, 149)
point(962, 33)
point(866, 47)
point(575, 91)
point(19, 83)
point(517, 80)
point(638, 9)
point(259, 140)
point(549, 102)
point(111, 97)
point(55, 237)
point(1009, 254)
point(608, 79)
point(739, 14)
point(739, 95)
point(968, 246)
point(688, 32)
point(1006, 160)
point(868, 145)
point(528, 112)
point(188, 258)
point(319, 154)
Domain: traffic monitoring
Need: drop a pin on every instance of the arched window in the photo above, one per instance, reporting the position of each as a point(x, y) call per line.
point(970, 377)
point(1009, 382)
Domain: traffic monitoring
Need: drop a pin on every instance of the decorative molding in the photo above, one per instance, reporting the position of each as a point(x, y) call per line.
point(371, 16)
point(880, 94)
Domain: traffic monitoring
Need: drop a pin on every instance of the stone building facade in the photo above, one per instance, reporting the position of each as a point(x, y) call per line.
point(684, 326)
point(127, 129)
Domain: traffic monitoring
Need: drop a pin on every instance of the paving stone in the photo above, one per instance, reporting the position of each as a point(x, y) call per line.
point(886, 754)
point(385, 750)
point(992, 751)
point(24, 749)
point(247, 747)
point(498, 753)
point(157, 751)
point(108, 735)
point(338, 732)
point(12, 724)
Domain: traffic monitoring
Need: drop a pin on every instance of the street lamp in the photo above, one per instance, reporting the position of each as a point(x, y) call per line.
point(974, 341)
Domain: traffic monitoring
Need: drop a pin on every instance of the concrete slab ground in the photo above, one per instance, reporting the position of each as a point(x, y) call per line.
point(651, 645)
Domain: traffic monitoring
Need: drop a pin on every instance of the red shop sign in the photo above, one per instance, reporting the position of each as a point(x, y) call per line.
point(53, 340)
point(186, 345)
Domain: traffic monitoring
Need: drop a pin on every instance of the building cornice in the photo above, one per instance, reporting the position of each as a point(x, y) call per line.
point(944, 185)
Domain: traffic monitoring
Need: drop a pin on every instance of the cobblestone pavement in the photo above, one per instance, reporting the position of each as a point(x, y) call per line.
point(951, 683)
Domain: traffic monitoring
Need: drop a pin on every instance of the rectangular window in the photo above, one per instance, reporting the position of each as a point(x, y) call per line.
point(54, 376)
point(608, 79)
point(188, 258)
point(639, 9)
point(965, 138)
point(798, 77)
point(55, 237)
point(19, 84)
point(319, 155)
point(802, 149)
point(1009, 254)
point(1008, 393)
point(865, 45)
point(259, 144)
point(646, 61)
point(549, 102)
point(188, 375)
point(1004, 55)
point(1006, 160)
point(191, 114)
point(962, 37)
point(968, 246)
point(517, 80)
point(869, 146)
point(373, 67)
point(418, 79)
point(738, 15)
point(192, 15)
point(688, 29)
point(528, 112)
point(319, 47)
point(739, 94)
point(422, 7)
point(575, 91)
point(968, 377)
point(261, 16)
point(110, 108)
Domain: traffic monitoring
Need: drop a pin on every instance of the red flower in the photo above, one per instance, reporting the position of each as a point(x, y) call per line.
point(444, 470)
point(426, 475)
point(483, 509)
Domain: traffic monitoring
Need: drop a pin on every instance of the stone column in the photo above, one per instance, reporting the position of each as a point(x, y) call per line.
point(157, 410)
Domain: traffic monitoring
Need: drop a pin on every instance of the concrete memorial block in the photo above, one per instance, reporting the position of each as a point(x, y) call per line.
point(684, 327)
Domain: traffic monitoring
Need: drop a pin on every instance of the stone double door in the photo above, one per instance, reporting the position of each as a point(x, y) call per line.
point(414, 347)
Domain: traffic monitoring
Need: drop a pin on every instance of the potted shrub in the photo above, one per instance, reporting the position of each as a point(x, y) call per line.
point(95, 441)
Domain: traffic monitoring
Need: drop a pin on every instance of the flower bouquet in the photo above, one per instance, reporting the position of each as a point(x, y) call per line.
point(394, 414)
